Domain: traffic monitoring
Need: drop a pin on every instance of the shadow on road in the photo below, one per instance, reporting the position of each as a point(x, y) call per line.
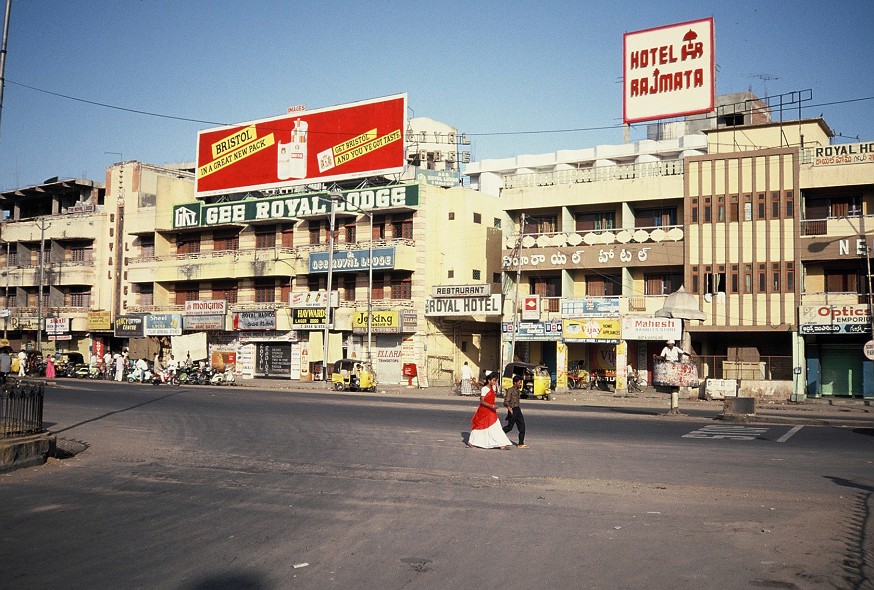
point(112, 413)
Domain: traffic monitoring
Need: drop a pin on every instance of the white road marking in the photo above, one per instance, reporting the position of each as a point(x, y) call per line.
point(728, 432)
point(789, 434)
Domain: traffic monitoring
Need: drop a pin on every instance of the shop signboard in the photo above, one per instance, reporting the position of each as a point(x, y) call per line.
point(532, 331)
point(462, 306)
point(382, 321)
point(634, 328)
point(291, 207)
point(834, 319)
point(354, 140)
point(589, 307)
point(255, 320)
point(99, 321)
point(163, 324)
point(129, 326)
point(210, 307)
point(56, 326)
point(272, 360)
point(592, 330)
point(313, 299)
point(483, 290)
point(353, 260)
point(196, 323)
point(308, 318)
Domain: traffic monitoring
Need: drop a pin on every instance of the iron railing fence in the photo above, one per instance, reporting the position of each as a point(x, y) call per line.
point(21, 405)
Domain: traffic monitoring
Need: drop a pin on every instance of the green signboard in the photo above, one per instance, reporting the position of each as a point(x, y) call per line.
point(287, 207)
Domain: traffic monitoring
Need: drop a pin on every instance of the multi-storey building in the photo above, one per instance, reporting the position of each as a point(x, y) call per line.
point(765, 224)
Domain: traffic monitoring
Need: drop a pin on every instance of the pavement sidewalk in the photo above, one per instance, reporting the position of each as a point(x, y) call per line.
point(843, 412)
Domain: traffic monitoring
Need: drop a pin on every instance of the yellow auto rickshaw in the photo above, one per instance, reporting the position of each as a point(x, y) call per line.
point(536, 380)
point(353, 375)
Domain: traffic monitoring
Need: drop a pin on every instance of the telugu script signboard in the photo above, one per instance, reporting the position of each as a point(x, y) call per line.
point(347, 141)
point(834, 319)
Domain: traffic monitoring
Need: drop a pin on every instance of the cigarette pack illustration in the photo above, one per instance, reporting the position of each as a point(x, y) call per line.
point(292, 156)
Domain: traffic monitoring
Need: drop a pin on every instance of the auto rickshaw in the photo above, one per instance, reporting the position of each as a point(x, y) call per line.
point(353, 375)
point(536, 380)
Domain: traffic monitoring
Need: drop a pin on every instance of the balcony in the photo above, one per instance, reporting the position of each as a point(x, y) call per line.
point(595, 174)
point(823, 298)
point(214, 265)
point(838, 226)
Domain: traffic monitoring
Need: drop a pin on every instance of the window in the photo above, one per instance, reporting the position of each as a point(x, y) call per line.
point(350, 232)
point(720, 209)
point(775, 205)
point(761, 207)
point(187, 293)
point(226, 290)
point(13, 256)
point(714, 282)
point(541, 225)
point(226, 240)
point(790, 276)
point(452, 216)
point(315, 229)
point(659, 217)
point(285, 290)
point(733, 209)
point(834, 207)
point(497, 223)
point(347, 283)
point(475, 275)
point(287, 236)
point(496, 277)
point(147, 247)
point(402, 288)
point(596, 221)
point(603, 285)
point(842, 280)
point(317, 283)
point(265, 237)
point(748, 207)
point(81, 253)
point(188, 244)
point(10, 299)
point(378, 287)
point(762, 279)
point(79, 297)
point(402, 228)
point(146, 294)
point(707, 210)
point(477, 218)
point(748, 278)
point(662, 283)
point(265, 290)
point(378, 228)
point(450, 274)
point(734, 278)
point(775, 277)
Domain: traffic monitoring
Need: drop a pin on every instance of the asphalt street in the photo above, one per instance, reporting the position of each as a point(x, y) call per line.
point(252, 487)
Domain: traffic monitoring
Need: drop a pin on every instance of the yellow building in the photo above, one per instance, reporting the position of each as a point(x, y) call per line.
point(766, 224)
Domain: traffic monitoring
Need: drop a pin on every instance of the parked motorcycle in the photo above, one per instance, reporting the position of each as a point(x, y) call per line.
point(223, 378)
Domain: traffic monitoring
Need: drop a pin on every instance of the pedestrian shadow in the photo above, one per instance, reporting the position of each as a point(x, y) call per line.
point(230, 581)
point(849, 483)
point(121, 411)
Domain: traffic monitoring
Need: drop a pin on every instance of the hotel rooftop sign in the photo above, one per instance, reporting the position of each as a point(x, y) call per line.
point(293, 207)
point(669, 71)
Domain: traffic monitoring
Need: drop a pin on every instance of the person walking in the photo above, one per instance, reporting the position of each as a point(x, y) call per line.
point(466, 379)
point(485, 428)
point(119, 367)
point(514, 411)
point(5, 365)
point(50, 367)
point(22, 363)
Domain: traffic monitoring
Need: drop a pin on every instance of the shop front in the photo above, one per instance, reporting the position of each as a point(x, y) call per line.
point(834, 343)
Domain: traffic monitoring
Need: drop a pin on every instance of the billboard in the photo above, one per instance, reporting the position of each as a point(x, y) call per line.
point(668, 71)
point(346, 141)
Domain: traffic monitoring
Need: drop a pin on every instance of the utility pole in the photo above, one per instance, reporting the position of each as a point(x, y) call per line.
point(518, 253)
point(42, 224)
point(3, 51)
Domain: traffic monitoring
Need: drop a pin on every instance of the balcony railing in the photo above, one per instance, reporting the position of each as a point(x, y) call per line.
point(833, 298)
point(595, 174)
point(841, 226)
point(622, 235)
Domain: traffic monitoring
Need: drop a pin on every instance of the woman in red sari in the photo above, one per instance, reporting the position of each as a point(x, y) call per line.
point(485, 428)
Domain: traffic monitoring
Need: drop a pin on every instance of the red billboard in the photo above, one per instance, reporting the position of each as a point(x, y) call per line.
point(346, 141)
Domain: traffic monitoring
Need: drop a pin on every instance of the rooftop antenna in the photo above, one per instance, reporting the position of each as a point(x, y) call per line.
point(764, 78)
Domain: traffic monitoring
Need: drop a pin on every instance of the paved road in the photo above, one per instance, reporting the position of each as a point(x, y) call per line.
point(233, 488)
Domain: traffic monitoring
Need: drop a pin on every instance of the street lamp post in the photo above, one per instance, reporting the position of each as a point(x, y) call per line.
point(333, 196)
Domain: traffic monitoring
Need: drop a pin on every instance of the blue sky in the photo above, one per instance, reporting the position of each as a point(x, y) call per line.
point(507, 73)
